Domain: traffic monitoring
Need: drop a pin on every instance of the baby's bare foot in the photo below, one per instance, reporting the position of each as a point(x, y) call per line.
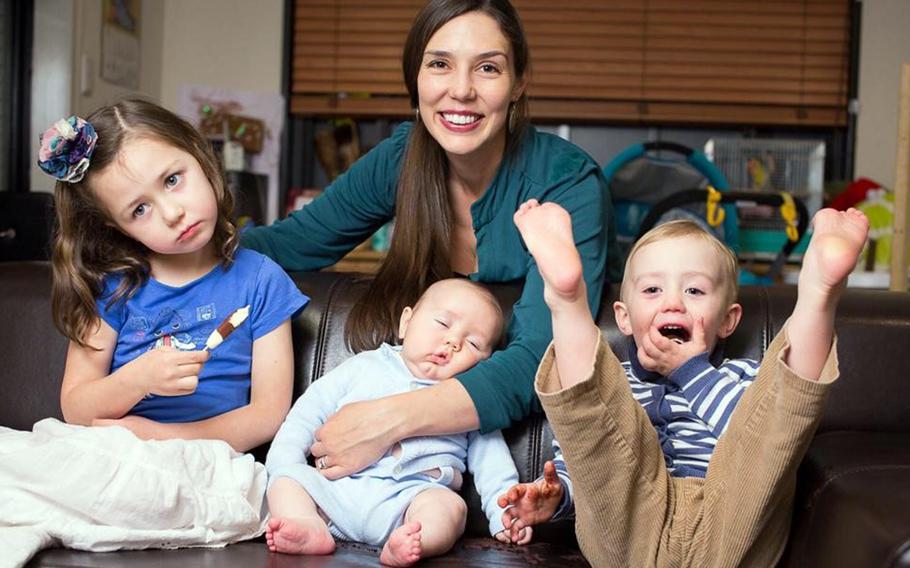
point(299, 536)
point(547, 232)
point(403, 547)
point(837, 241)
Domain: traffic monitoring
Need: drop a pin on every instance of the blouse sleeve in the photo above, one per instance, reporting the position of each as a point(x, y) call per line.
point(502, 387)
point(353, 207)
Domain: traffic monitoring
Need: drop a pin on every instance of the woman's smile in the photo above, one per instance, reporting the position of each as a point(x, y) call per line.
point(460, 121)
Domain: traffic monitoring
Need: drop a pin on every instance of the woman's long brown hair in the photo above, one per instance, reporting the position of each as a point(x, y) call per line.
point(420, 251)
point(87, 244)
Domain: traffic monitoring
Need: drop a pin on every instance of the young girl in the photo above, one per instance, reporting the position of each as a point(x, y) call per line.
point(175, 335)
point(146, 267)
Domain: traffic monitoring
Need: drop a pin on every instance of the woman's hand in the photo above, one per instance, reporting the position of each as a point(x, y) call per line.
point(361, 432)
point(355, 437)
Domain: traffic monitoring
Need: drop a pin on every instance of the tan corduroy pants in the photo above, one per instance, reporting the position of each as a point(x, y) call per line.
point(631, 512)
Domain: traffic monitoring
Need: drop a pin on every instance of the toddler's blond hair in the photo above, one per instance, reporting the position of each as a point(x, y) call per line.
point(683, 228)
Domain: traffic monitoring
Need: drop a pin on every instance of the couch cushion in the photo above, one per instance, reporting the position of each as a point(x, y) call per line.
point(872, 395)
point(32, 351)
point(854, 496)
point(467, 552)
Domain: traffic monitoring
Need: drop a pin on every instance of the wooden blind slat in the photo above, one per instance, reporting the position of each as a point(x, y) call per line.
point(564, 29)
point(590, 111)
point(386, 63)
point(346, 37)
point(355, 26)
point(737, 61)
point(746, 45)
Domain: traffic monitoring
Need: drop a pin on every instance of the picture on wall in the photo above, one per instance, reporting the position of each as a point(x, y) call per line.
point(120, 54)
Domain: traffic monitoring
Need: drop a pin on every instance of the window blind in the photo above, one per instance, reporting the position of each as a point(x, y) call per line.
point(641, 61)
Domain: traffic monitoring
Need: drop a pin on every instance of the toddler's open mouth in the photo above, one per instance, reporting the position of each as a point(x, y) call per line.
point(676, 333)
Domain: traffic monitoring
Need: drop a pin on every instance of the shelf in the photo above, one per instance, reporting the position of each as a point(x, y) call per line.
point(362, 259)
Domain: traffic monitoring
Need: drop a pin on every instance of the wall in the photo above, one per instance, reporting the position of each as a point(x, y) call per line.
point(52, 72)
point(87, 52)
point(67, 68)
point(884, 46)
point(237, 44)
point(229, 44)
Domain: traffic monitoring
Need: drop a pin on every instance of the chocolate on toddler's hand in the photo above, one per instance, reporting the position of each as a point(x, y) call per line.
point(231, 323)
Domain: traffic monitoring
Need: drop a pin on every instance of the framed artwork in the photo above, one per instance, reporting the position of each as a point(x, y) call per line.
point(120, 30)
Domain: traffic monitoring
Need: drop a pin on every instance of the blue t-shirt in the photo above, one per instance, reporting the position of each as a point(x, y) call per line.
point(185, 316)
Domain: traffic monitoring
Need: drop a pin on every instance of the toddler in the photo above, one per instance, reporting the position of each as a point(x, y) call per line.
point(175, 334)
point(688, 467)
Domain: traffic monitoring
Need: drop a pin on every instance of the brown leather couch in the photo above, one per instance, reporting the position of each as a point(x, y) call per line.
point(853, 502)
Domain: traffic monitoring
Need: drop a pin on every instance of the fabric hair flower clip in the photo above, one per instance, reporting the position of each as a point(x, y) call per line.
point(66, 148)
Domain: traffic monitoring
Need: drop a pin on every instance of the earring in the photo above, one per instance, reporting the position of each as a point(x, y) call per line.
point(416, 115)
point(511, 123)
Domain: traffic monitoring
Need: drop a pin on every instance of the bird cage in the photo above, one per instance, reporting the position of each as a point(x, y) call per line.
point(773, 166)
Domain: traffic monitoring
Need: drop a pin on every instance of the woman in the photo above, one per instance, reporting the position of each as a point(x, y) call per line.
point(452, 179)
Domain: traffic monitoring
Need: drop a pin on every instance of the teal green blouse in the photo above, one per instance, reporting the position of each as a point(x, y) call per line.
point(546, 168)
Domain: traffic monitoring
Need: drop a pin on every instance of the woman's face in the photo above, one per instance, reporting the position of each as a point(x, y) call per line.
point(465, 84)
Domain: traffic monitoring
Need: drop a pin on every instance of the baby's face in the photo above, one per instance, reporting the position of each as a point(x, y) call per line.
point(671, 284)
point(452, 327)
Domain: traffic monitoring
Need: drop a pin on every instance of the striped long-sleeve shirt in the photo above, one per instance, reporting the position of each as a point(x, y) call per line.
point(566, 507)
point(689, 408)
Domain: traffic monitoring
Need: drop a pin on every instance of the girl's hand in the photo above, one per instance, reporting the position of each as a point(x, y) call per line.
point(353, 438)
point(143, 428)
point(166, 371)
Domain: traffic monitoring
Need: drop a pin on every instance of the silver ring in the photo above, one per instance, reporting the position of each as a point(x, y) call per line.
point(320, 463)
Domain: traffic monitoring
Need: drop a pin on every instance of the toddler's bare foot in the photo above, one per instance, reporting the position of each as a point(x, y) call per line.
point(547, 232)
point(837, 240)
point(299, 536)
point(403, 547)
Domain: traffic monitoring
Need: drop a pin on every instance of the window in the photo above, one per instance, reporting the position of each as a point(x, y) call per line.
point(736, 62)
